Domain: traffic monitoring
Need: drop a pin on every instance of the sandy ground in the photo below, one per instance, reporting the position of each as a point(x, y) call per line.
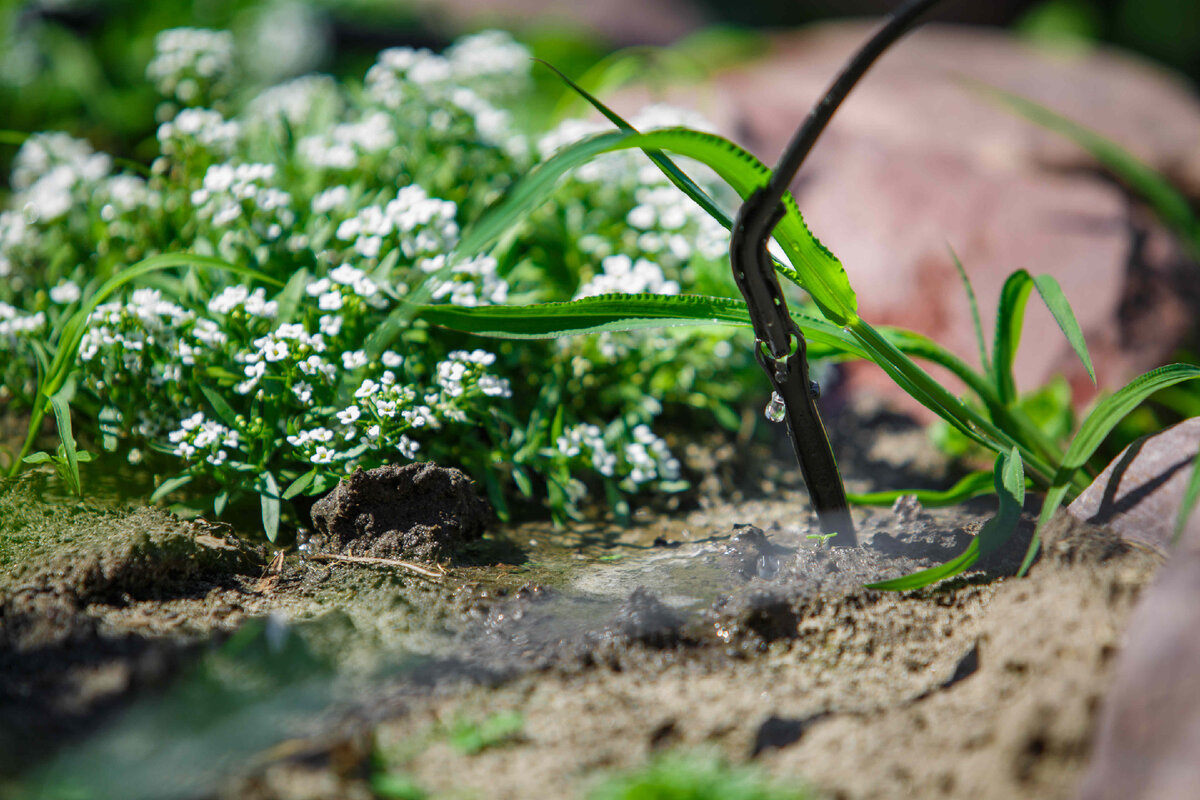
point(721, 629)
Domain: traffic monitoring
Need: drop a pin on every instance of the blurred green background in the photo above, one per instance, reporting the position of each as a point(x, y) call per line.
point(78, 65)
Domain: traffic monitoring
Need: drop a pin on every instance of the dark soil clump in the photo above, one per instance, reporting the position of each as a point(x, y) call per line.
point(417, 511)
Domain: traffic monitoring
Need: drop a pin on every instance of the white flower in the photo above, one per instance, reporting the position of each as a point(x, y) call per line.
point(392, 360)
point(348, 415)
point(65, 293)
point(353, 359)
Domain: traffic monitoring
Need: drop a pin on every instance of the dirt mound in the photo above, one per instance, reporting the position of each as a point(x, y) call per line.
point(416, 511)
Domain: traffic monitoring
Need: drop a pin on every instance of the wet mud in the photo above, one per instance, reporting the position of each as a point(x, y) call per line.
point(727, 628)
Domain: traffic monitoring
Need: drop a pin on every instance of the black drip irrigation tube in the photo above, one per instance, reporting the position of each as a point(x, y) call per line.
point(779, 345)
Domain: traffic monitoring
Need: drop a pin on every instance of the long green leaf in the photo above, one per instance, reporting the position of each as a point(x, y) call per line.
point(1010, 320)
point(1170, 205)
point(1008, 476)
point(971, 485)
point(984, 361)
point(818, 270)
point(611, 312)
point(269, 500)
point(628, 312)
point(1095, 428)
point(1052, 295)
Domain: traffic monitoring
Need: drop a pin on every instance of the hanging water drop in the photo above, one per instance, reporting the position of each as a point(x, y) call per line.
point(775, 409)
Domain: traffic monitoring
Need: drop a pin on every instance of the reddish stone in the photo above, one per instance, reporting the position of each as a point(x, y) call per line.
point(1139, 494)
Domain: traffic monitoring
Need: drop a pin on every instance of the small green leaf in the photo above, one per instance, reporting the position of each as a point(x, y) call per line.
point(220, 406)
point(62, 416)
point(300, 484)
point(270, 506)
point(1056, 301)
point(220, 502)
point(40, 457)
point(170, 485)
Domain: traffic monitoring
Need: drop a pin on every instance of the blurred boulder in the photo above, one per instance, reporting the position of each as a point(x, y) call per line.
point(621, 22)
point(1148, 741)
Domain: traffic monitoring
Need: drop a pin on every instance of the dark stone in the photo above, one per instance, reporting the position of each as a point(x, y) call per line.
point(416, 511)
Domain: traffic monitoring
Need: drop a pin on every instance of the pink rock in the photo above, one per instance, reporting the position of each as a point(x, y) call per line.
point(1139, 494)
point(623, 22)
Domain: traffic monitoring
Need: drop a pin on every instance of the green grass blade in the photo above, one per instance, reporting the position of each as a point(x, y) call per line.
point(971, 485)
point(984, 362)
point(668, 167)
point(1112, 409)
point(926, 577)
point(62, 416)
point(1168, 203)
point(612, 312)
point(1191, 496)
point(1052, 295)
point(269, 500)
point(1010, 320)
point(1008, 476)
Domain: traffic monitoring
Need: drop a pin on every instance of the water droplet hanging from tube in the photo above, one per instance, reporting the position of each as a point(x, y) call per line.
point(775, 409)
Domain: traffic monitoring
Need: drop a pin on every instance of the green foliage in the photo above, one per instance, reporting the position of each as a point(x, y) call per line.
point(679, 777)
point(470, 737)
point(255, 304)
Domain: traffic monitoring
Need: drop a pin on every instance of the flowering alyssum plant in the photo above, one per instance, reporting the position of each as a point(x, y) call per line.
point(314, 210)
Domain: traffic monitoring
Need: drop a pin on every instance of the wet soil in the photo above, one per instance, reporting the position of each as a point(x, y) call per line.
point(144, 656)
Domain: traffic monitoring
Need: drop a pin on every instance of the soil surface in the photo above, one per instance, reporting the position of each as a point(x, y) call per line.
point(145, 656)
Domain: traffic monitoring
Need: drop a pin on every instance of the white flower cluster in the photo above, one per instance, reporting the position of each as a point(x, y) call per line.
point(418, 224)
point(18, 238)
point(587, 440)
point(474, 282)
point(298, 101)
point(199, 437)
point(14, 324)
point(463, 370)
point(424, 86)
point(645, 459)
point(191, 64)
point(255, 303)
point(54, 171)
point(621, 274)
point(124, 334)
point(343, 144)
point(199, 129)
point(231, 193)
point(649, 458)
